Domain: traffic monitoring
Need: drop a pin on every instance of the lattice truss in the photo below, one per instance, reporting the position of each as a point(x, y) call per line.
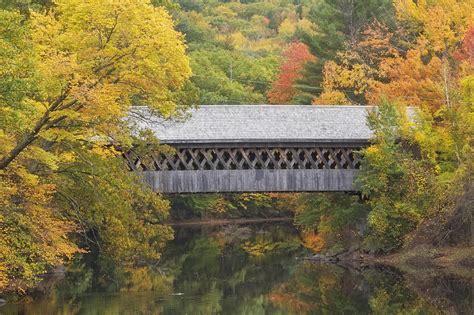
point(248, 158)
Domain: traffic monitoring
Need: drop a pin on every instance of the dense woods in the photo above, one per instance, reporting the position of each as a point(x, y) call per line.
point(70, 70)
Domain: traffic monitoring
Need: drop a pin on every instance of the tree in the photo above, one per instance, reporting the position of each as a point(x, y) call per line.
point(465, 53)
point(427, 74)
point(328, 220)
point(231, 77)
point(70, 76)
point(410, 81)
point(348, 77)
point(338, 26)
point(92, 62)
point(26, 247)
point(441, 24)
point(296, 55)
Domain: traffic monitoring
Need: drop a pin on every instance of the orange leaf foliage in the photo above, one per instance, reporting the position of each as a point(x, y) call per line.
point(353, 70)
point(411, 81)
point(313, 241)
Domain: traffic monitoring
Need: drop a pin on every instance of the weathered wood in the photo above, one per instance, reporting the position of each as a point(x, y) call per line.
point(251, 180)
point(249, 158)
point(255, 148)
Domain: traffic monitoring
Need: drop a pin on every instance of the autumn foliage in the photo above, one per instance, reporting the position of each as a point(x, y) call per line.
point(421, 56)
point(411, 81)
point(71, 71)
point(465, 53)
point(295, 56)
point(68, 77)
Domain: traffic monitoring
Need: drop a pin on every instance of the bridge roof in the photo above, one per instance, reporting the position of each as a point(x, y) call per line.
point(262, 124)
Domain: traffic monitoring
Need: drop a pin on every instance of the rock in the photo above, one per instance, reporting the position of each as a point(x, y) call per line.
point(2, 301)
point(323, 258)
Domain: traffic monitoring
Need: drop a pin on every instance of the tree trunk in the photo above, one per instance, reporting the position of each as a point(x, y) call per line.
point(31, 136)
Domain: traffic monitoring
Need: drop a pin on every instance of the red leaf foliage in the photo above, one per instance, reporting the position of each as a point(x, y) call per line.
point(466, 51)
point(295, 56)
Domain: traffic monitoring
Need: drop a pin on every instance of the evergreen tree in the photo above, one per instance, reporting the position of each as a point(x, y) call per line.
point(338, 25)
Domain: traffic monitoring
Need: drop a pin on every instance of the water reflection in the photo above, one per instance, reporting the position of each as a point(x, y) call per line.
point(248, 270)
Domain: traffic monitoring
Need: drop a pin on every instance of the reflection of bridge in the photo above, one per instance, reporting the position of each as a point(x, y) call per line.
point(256, 148)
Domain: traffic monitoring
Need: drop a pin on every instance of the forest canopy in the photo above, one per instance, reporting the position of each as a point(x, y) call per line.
point(70, 70)
point(69, 74)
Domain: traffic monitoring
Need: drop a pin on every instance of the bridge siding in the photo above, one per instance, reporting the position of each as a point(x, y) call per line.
point(227, 127)
point(256, 180)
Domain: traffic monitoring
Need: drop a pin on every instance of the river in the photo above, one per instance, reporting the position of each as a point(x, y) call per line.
point(248, 269)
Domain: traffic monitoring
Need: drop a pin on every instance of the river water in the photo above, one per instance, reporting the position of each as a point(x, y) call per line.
point(249, 269)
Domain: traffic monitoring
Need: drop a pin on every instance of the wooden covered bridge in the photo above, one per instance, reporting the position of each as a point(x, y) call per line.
point(256, 148)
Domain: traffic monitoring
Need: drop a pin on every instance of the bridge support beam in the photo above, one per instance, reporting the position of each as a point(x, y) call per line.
point(251, 180)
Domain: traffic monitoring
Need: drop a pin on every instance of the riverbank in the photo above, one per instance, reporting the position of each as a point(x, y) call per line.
point(453, 260)
point(456, 260)
point(432, 261)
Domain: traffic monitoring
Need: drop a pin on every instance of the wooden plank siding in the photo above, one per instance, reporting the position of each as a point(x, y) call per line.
point(252, 180)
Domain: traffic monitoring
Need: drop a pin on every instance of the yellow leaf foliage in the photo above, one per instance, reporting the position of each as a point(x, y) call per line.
point(73, 72)
point(30, 227)
point(442, 22)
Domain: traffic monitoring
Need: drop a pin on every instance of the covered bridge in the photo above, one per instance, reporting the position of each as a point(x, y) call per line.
point(256, 148)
